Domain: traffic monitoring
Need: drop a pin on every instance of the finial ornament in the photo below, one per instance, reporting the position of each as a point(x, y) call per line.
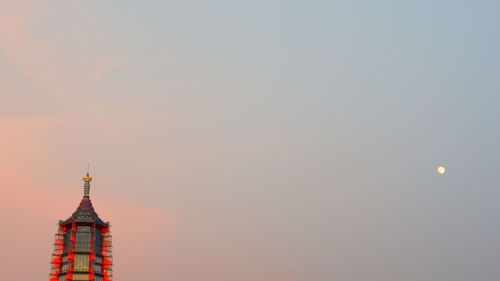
point(87, 178)
point(86, 187)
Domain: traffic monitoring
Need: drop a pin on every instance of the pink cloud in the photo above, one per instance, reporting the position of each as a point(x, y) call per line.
point(30, 55)
point(41, 59)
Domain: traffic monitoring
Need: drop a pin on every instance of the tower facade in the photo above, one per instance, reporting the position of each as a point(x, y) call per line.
point(82, 247)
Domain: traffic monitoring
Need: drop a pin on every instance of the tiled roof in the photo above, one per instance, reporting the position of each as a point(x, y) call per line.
point(85, 213)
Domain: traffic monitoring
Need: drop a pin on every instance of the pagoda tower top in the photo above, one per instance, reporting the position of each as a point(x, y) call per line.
point(85, 212)
point(83, 244)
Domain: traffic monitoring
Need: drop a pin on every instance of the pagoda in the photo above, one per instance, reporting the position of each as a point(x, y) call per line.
point(82, 248)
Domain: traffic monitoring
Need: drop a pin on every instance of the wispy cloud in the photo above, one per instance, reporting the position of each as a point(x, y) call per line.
point(108, 66)
point(30, 55)
point(53, 63)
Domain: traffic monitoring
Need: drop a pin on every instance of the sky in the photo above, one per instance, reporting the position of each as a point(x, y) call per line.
point(255, 140)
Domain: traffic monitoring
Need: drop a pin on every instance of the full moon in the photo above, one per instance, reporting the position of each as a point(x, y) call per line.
point(441, 170)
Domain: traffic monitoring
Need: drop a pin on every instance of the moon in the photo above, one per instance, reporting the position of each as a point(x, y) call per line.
point(441, 170)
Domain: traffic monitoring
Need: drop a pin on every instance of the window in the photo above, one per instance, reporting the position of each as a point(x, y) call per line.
point(82, 241)
point(81, 263)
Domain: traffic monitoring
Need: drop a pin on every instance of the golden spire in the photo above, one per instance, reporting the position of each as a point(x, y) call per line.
point(86, 187)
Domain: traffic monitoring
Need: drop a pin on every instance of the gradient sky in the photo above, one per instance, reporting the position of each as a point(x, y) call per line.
point(255, 140)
